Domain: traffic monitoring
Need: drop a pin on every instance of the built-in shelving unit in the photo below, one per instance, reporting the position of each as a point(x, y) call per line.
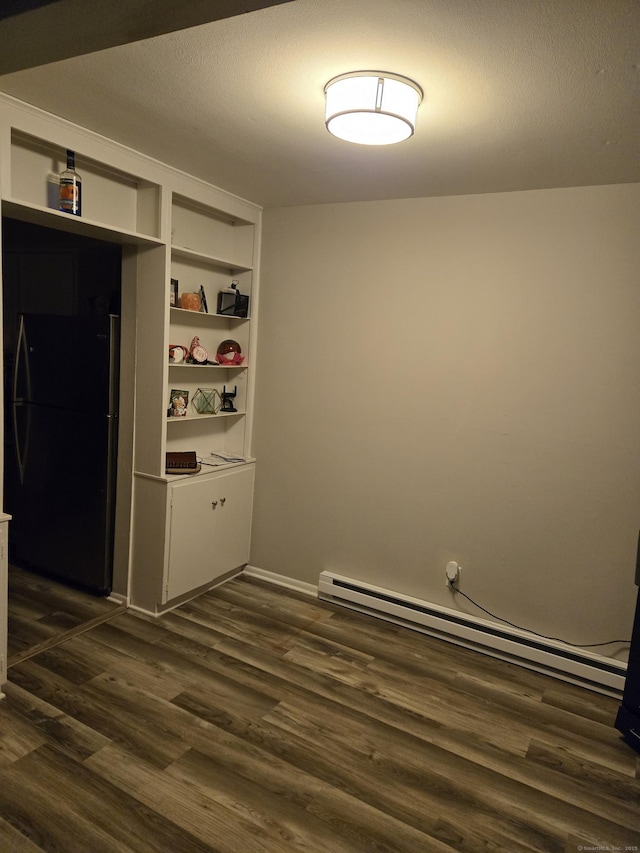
point(210, 249)
point(171, 226)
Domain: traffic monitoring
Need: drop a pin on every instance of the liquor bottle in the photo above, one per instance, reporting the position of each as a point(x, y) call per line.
point(70, 195)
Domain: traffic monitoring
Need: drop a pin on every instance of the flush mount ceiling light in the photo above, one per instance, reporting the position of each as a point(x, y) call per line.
point(372, 107)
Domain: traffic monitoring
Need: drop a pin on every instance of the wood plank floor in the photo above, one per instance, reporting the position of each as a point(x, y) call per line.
point(255, 720)
point(41, 611)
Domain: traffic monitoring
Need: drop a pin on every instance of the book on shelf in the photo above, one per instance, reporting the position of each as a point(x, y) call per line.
point(182, 462)
point(173, 293)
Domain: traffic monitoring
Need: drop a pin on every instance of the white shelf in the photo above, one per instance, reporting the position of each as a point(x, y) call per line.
point(206, 469)
point(194, 418)
point(209, 366)
point(121, 203)
point(212, 260)
point(183, 313)
point(49, 218)
point(207, 235)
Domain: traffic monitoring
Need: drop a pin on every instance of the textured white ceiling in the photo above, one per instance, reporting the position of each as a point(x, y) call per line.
point(519, 94)
point(34, 32)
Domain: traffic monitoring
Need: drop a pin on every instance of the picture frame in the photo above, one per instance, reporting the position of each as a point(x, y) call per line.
point(178, 403)
point(173, 293)
point(232, 303)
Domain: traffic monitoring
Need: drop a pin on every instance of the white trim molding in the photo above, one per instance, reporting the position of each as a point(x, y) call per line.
point(281, 580)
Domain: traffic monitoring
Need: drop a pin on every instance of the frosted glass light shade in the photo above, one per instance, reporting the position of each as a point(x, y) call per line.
point(372, 107)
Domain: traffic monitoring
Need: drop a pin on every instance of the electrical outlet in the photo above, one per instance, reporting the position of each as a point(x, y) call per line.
point(452, 573)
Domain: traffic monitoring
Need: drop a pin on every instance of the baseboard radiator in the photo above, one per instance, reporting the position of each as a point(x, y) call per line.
point(521, 647)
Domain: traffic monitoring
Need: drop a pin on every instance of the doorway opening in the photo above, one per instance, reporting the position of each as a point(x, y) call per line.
point(61, 311)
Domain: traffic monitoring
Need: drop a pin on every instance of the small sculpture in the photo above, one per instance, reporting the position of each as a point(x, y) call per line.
point(227, 399)
point(177, 353)
point(197, 353)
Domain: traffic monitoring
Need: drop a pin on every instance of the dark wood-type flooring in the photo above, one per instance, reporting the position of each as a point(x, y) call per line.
point(255, 720)
point(41, 611)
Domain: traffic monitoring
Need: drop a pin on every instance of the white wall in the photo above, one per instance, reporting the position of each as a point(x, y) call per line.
point(456, 378)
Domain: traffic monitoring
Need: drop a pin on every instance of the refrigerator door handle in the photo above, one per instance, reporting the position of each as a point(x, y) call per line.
point(114, 364)
point(20, 456)
point(21, 351)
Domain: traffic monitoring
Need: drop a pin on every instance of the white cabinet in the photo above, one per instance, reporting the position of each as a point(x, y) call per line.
point(210, 522)
point(190, 532)
point(206, 515)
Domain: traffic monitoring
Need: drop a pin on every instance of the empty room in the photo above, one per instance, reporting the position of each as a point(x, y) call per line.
point(321, 470)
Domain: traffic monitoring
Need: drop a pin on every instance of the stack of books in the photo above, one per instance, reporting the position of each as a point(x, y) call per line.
point(182, 462)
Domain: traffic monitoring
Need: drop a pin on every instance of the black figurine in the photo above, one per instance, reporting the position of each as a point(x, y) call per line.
point(227, 399)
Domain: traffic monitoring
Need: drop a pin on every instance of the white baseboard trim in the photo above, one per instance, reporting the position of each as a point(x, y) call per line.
point(281, 580)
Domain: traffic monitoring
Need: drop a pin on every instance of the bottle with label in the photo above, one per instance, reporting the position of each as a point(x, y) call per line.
point(70, 195)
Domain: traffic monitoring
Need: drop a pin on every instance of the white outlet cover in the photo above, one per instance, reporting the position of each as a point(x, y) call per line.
point(452, 570)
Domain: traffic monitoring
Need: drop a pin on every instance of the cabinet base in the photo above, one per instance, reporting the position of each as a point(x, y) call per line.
point(160, 609)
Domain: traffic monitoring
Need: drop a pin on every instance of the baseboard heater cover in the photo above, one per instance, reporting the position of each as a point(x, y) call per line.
point(550, 656)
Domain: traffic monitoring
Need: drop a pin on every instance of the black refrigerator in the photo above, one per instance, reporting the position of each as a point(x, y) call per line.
point(628, 718)
point(60, 487)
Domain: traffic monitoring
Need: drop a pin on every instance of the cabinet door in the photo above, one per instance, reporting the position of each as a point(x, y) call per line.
point(210, 529)
point(233, 520)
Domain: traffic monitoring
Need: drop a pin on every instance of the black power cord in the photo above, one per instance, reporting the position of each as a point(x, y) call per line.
point(535, 633)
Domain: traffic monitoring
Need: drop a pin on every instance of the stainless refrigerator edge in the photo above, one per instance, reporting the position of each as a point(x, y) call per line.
point(64, 427)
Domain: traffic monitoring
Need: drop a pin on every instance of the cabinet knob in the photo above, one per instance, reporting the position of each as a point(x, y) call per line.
point(214, 504)
point(222, 501)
